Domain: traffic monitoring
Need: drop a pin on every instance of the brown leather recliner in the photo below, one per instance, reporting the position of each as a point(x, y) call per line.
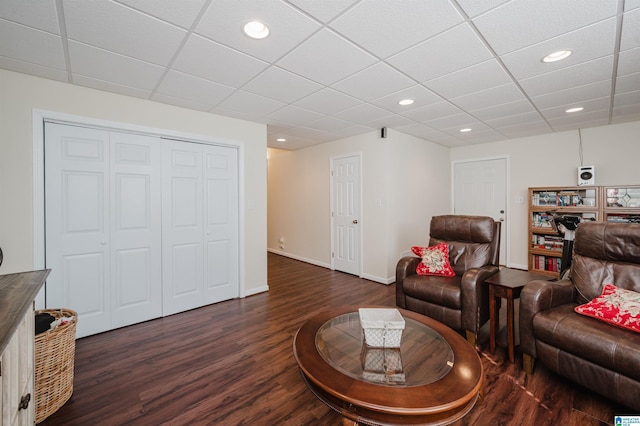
point(460, 302)
point(597, 355)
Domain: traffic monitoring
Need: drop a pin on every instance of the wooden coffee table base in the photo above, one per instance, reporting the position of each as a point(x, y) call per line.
point(359, 402)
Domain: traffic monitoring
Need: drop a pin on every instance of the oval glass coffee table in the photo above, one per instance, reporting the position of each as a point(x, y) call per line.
point(433, 378)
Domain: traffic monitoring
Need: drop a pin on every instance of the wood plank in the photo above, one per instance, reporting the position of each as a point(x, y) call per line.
point(232, 363)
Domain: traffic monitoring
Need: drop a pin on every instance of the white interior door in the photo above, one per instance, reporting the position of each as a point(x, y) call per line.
point(480, 189)
point(182, 227)
point(220, 170)
point(77, 224)
point(346, 214)
point(102, 228)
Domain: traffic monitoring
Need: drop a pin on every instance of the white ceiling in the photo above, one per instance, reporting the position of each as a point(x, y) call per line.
point(337, 68)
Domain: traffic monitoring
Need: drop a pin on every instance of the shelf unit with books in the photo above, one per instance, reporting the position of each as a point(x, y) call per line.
point(621, 203)
point(545, 244)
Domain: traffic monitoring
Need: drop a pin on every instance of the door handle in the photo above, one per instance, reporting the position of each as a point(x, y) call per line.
point(355, 221)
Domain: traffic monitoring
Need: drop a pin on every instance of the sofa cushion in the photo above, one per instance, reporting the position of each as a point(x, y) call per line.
point(435, 260)
point(613, 348)
point(616, 306)
point(439, 290)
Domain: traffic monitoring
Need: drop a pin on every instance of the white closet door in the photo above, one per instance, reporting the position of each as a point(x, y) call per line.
point(103, 231)
point(77, 224)
point(221, 223)
point(136, 228)
point(182, 227)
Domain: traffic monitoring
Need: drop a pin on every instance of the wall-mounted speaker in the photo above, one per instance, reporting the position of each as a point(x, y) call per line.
point(586, 175)
point(383, 132)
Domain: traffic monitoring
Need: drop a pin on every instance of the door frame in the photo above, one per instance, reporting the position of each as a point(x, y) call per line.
point(39, 116)
point(332, 160)
point(506, 230)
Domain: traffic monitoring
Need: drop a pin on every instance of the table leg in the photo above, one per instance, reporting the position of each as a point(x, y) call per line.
point(493, 319)
point(510, 332)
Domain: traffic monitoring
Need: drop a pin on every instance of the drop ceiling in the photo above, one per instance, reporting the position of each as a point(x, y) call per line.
point(332, 69)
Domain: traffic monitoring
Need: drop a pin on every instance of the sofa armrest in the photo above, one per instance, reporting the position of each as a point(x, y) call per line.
point(537, 296)
point(405, 267)
point(475, 297)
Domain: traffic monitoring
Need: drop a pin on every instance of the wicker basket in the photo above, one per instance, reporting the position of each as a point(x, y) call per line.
point(54, 361)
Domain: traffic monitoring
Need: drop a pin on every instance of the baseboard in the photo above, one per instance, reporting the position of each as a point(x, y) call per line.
point(386, 281)
point(302, 259)
point(515, 266)
point(256, 290)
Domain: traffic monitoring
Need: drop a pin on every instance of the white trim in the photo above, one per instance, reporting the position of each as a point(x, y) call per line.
point(331, 207)
point(507, 188)
point(42, 116)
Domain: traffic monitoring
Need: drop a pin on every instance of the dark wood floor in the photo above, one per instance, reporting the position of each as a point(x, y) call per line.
point(232, 364)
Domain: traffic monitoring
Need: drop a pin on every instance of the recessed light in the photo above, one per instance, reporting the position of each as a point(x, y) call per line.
point(256, 29)
point(557, 56)
point(405, 102)
point(576, 109)
point(465, 130)
point(281, 140)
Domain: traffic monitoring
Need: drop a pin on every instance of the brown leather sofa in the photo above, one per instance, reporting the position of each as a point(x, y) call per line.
point(599, 356)
point(461, 302)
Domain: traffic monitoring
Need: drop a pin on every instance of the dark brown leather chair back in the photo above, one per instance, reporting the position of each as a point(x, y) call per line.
point(473, 241)
point(605, 253)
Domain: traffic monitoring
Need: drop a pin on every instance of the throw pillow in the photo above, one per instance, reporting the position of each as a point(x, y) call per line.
point(616, 306)
point(435, 260)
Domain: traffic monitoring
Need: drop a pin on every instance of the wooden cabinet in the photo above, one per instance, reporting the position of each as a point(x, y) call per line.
point(621, 203)
point(17, 336)
point(545, 243)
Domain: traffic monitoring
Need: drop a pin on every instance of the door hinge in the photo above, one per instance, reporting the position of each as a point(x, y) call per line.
point(332, 255)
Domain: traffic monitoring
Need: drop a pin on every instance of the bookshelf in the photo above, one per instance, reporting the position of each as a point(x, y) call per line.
point(621, 203)
point(545, 244)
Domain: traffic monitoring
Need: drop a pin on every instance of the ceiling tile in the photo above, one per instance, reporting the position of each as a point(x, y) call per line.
point(420, 95)
point(33, 69)
point(631, 4)
point(112, 26)
point(100, 64)
point(292, 115)
point(160, 97)
point(194, 89)
point(362, 113)
point(521, 130)
point(328, 101)
point(558, 112)
point(448, 122)
point(562, 79)
point(581, 120)
point(448, 52)
point(30, 45)
point(497, 111)
point(374, 82)
point(329, 124)
point(325, 10)
point(309, 133)
point(249, 104)
point(393, 121)
point(529, 22)
point(488, 98)
point(39, 14)
point(353, 131)
point(107, 86)
point(472, 79)
point(224, 21)
point(427, 133)
point(587, 44)
point(202, 58)
point(629, 62)
point(575, 94)
point(384, 28)
point(630, 35)
point(513, 120)
point(476, 7)
point(181, 13)
point(628, 83)
point(282, 85)
point(326, 58)
point(432, 112)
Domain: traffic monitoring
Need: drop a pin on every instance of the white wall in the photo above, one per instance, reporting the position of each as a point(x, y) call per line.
point(21, 94)
point(409, 176)
point(552, 160)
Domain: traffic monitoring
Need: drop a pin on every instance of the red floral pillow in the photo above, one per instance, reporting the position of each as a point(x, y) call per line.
point(435, 260)
point(616, 306)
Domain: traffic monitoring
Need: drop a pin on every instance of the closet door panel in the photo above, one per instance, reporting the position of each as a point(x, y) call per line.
point(182, 227)
point(136, 240)
point(221, 215)
point(77, 226)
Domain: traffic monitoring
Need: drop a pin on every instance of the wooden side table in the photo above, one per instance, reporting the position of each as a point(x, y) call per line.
point(508, 284)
